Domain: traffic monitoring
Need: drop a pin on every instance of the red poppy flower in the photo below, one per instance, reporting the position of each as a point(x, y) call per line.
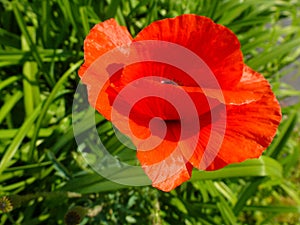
point(216, 131)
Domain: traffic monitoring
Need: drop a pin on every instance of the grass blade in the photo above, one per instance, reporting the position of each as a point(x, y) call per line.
point(9, 104)
point(48, 103)
point(261, 167)
point(25, 32)
point(13, 147)
point(30, 84)
point(286, 130)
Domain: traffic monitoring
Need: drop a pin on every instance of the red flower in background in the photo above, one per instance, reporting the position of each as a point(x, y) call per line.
point(251, 117)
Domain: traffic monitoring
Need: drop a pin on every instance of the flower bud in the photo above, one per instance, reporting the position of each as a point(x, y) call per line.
point(75, 215)
point(8, 203)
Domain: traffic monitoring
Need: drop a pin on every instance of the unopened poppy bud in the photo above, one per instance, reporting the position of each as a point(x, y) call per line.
point(8, 203)
point(75, 215)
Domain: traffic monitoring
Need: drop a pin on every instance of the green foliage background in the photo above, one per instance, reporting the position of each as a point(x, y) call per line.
point(40, 53)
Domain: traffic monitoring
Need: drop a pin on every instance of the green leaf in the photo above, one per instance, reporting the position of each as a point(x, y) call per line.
point(9, 39)
point(25, 32)
point(8, 81)
point(264, 166)
point(276, 52)
point(286, 129)
point(13, 147)
point(48, 102)
point(112, 9)
point(274, 209)
point(84, 19)
point(247, 192)
point(9, 104)
point(30, 82)
point(225, 209)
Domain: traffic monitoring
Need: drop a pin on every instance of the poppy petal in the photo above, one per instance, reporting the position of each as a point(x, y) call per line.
point(165, 82)
point(250, 128)
point(161, 178)
point(261, 118)
point(158, 69)
point(149, 102)
point(164, 164)
point(215, 44)
point(251, 87)
point(103, 37)
point(98, 86)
